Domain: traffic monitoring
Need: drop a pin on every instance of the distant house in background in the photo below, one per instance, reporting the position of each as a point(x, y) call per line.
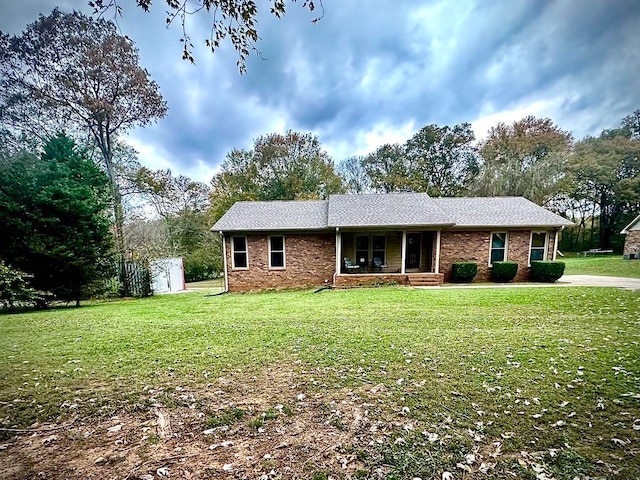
point(403, 238)
point(631, 249)
point(167, 275)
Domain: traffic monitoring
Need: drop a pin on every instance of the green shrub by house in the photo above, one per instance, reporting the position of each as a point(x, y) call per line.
point(547, 271)
point(503, 271)
point(464, 272)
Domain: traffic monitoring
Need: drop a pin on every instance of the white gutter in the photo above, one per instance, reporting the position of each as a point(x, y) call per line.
point(224, 256)
point(437, 269)
point(338, 254)
point(555, 246)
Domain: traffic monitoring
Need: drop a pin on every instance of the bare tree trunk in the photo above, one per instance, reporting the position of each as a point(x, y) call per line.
point(118, 214)
point(593, 219)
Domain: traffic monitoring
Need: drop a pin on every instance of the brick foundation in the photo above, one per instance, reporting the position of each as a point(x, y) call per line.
point(369, 280)
point(309, 259)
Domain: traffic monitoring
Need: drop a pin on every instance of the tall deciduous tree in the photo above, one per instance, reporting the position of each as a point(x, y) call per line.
point(527, 158)
point(606, 171)
point(443, 159)
point(290, 166)
point(53, 210)
point(171, 195)
point(630, 125)
point(354, 174)
point(389, 170)
point(182, 203)
point(72, 70)
point(232, 19)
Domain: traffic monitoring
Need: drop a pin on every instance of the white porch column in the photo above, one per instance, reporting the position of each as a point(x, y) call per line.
point(437, 268)
point(404, 250)
point(338, 250)
point(224, 256)
point(555, 246)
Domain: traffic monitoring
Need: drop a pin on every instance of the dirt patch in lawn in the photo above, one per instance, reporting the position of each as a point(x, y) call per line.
point(261, 427)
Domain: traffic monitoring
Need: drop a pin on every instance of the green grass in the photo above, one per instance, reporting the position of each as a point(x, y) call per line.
point(215, 284)
point(611, 265)
point(473, 366)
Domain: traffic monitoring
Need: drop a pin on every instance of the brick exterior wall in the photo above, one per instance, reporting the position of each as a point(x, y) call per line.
point(474, 246)
point(368, 280)
point(632, 243)
point(519, 243)
point(309, 260)
point(464, 247)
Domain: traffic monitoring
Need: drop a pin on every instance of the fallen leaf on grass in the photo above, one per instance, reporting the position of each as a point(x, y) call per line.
point(226, 443)
point(115, 428)
point(378, 388)
point(485, 467)
point(432, 437)
point(49, 439)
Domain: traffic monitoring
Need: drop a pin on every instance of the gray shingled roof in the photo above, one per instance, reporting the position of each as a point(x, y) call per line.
point(276, 215)
point(499, 212)
point(386, 210)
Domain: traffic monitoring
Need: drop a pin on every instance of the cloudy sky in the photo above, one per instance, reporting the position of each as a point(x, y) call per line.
point(374, 72)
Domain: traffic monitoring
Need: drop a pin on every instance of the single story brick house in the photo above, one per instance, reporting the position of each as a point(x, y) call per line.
point(403, 238)
point(631, 249)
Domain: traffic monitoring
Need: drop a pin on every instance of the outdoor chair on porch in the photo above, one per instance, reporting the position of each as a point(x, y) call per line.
point(377, 265)
point(350, 267)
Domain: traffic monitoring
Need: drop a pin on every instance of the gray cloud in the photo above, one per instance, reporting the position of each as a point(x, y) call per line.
point(384, 65)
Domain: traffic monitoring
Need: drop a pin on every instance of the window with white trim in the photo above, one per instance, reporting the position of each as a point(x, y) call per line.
point(498, 251)
point(239, 253)
point(276, 251)
point(538, 249)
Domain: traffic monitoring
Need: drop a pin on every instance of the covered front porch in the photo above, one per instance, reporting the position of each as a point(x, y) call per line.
point(405, 257)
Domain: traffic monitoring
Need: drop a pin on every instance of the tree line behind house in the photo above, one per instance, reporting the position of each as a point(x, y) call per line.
point(77, 203)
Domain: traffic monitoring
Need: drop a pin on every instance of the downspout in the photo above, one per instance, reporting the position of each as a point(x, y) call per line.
point(555, 246)
point(224, 256)
point(338, 254)
point(437, 269)
point(404, 252)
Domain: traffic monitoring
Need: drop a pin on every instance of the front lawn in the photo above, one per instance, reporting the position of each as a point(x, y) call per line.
point(610, 265)
point(368, 383)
